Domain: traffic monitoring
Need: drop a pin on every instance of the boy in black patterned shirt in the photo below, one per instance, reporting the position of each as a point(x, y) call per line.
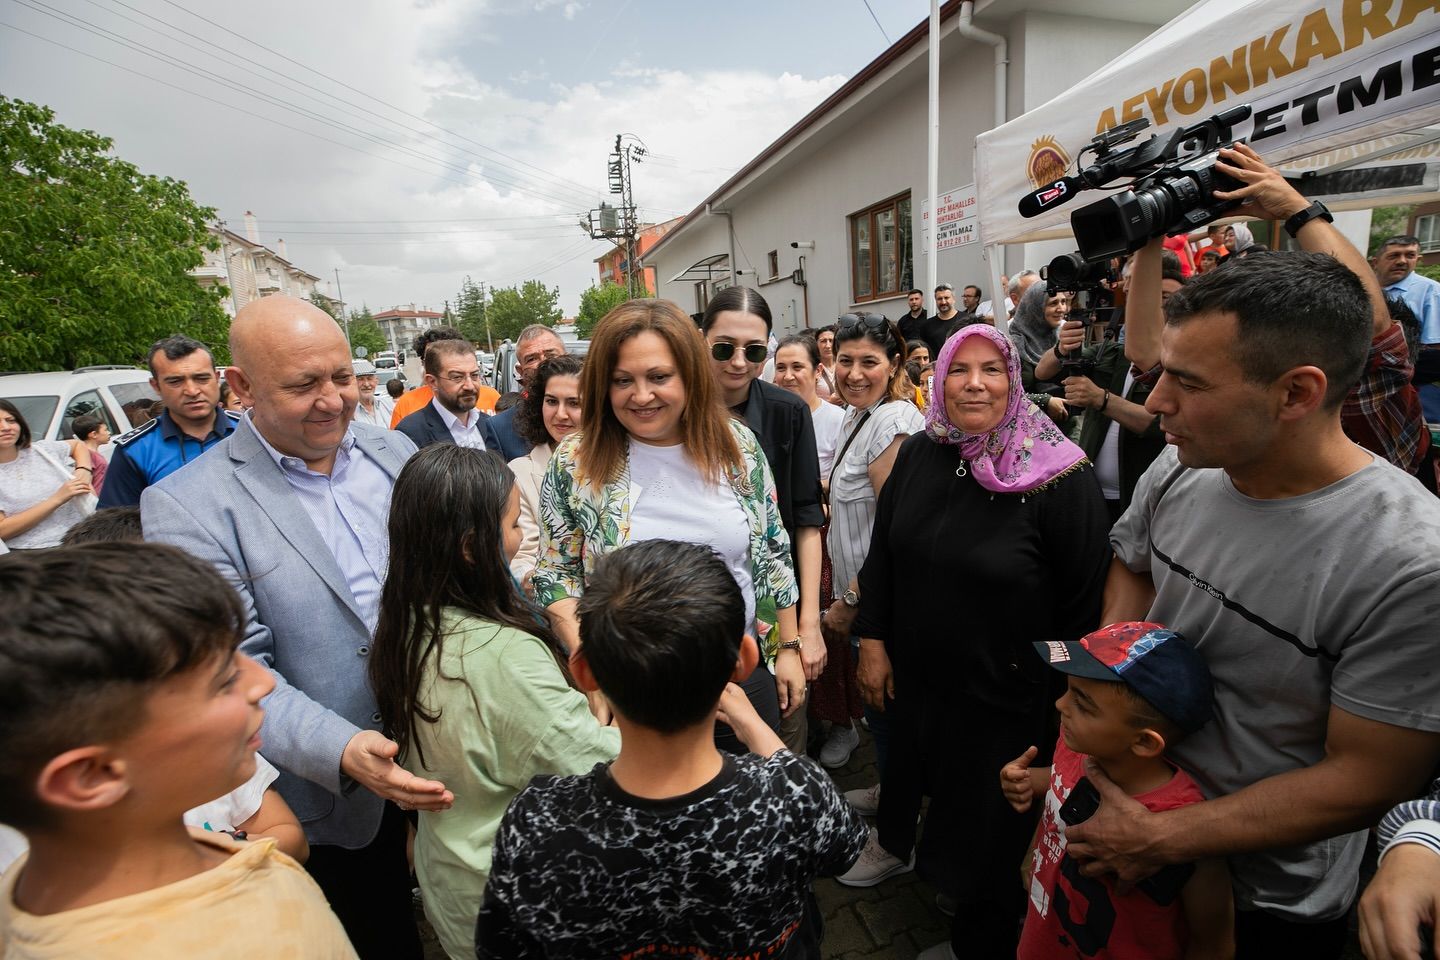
point(672, 849)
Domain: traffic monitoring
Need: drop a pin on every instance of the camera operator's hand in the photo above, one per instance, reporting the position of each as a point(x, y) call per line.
point(1082, 392)
point(1266, 193)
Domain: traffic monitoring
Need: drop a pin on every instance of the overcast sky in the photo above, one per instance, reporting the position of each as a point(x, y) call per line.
point(412, 143)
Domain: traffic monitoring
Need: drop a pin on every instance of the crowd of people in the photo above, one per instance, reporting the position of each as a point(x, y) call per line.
point(1134, 611)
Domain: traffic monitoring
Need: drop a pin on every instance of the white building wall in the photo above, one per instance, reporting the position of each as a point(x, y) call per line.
point(872, 148)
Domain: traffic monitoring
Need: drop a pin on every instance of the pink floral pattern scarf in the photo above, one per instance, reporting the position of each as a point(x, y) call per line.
point(1025, 450)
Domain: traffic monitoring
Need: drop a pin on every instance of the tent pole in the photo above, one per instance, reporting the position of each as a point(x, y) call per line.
point(932, 184)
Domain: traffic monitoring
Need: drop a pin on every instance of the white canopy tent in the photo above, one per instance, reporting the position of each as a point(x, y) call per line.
point(1345, 91)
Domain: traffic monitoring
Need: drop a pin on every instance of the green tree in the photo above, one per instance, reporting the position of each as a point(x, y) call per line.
point(596, 302)
point(512, 309)
point(94, 255)
point(1386, 222)
point(365, 332)
point(469, 313)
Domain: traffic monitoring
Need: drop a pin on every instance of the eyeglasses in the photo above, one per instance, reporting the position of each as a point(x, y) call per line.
point(459, 378)
point(724, 350)
point(865, 321)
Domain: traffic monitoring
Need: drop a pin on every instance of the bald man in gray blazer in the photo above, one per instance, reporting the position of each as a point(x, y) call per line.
point(292, 508)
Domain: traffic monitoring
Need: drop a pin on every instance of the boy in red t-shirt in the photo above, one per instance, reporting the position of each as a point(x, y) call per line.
point(1134, 688)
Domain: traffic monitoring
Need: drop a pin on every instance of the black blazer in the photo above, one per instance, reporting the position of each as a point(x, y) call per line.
point(782, 423)
point(425, 427)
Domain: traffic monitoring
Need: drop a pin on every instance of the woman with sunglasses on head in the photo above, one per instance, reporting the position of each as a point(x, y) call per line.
point(737, 327)
point(659, 457)
point(990, 535)
point(834, 696)
point(549, 413)
point(868, 374)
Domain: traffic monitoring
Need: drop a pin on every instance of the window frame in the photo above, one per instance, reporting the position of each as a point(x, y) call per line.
point(904, 242)
point(1430, 222)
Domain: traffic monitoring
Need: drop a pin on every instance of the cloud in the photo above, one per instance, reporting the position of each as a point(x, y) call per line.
point(521, 154)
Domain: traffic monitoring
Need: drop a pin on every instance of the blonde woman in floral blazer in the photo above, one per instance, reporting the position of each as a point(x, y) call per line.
point(647, 387)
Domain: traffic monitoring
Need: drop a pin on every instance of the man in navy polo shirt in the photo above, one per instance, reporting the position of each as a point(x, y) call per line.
point(182, 371)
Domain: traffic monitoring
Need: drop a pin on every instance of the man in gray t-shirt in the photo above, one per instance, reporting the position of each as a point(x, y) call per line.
point(1306, 571)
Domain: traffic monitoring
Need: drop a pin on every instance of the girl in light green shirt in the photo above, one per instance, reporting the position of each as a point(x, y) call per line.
point(469, 679)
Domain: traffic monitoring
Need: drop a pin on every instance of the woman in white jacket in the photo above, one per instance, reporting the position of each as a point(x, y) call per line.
point(549, 413)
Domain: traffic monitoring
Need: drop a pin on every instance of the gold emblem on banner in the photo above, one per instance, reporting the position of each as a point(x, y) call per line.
point(1048, 162)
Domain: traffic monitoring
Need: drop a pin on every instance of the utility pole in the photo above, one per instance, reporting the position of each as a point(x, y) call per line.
point(485, 312)
point(622, 224)
point(344, 317)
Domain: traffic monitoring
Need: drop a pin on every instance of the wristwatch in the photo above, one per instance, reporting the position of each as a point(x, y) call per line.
point(790, 645)
point(850, 598)
point(1316, 209)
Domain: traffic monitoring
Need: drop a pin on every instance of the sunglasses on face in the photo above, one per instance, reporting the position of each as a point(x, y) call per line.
point(866, 321)
point(724, 350)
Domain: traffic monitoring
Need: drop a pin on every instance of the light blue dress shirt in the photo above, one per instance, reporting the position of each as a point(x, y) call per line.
point(1422, 296)
point(350, 509)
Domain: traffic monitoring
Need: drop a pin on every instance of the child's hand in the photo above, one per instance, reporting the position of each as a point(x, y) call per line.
point(1015, 781)
point(737, 711)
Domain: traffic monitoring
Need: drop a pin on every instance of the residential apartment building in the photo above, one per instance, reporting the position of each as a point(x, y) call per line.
point(250, 270)
point(401, 325)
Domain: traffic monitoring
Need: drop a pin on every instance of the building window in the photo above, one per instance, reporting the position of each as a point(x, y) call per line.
point(881, 250)
point(773, 258)
point(1427, 228)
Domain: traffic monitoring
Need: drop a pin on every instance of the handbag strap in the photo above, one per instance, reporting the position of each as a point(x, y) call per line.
point(835, 464)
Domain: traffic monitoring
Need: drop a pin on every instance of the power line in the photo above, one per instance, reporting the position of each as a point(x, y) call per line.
point(148, 51)
point(567, 185)
point(538, 216)
point(231, 106)
point(877, 23)
point(376, 99)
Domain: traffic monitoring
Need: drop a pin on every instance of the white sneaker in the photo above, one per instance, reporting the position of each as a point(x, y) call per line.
point(941, 951)
point(875, 864)
point(839, 745)
point(866, 802)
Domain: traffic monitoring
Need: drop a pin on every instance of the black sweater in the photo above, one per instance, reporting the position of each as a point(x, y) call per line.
point(960, 582)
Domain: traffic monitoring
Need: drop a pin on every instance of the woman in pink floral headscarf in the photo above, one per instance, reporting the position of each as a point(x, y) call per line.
point(991, 533)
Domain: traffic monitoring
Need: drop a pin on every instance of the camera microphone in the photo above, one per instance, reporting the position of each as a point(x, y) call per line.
point(1050, 195)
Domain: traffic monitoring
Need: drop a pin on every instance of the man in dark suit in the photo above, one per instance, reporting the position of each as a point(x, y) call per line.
point(453, 375)
point(536, 344)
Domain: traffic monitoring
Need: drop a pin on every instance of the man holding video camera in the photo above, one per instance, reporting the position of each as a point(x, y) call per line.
point(1118, 434)
point(1301, 566)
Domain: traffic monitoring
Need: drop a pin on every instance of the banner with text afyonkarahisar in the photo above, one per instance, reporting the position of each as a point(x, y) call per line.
point(1347, 86)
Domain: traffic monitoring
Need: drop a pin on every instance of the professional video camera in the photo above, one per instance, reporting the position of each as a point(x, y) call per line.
point(1172, 192)
point(1091, 283)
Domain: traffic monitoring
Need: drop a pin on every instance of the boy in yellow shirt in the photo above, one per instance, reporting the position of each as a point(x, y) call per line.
point(124, 703)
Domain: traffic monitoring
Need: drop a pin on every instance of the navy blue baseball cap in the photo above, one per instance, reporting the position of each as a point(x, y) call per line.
point(1159, 664)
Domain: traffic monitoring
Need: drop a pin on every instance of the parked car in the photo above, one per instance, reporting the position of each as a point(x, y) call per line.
point(50, 402)
point(383, 377)
point(385, 360)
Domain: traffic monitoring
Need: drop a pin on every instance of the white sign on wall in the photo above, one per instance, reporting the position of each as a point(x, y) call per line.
point(956, 221)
